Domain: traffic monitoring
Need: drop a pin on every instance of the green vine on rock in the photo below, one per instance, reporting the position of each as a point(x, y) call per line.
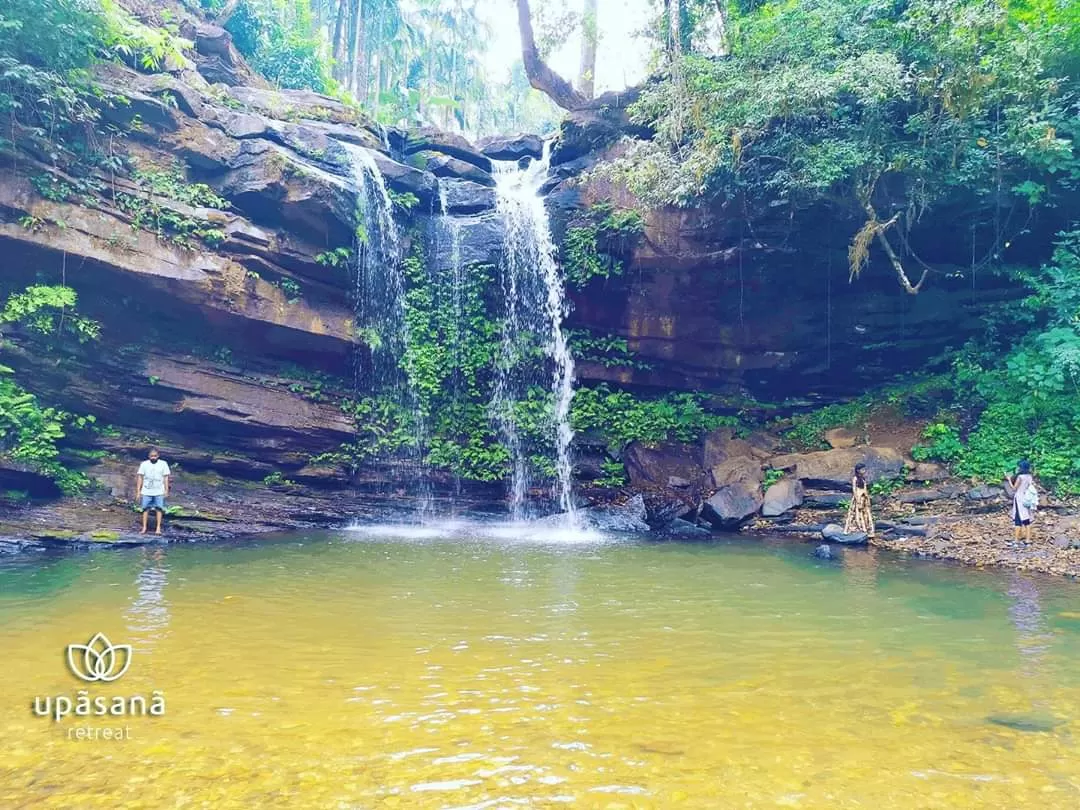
point(598, 245)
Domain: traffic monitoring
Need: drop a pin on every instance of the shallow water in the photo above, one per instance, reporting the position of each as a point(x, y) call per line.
point(357, 670)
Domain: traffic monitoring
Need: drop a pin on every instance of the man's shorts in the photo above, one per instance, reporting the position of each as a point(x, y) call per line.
point(153, 502)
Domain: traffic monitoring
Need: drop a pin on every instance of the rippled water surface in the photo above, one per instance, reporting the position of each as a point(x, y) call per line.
point(364, 670)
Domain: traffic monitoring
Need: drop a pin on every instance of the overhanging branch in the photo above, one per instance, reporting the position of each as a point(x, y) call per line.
point(540, 75)
point(859, 251)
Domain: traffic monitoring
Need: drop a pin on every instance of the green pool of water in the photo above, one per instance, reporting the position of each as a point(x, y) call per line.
point(461, 668)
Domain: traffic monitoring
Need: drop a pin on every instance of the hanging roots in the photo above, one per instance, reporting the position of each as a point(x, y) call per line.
point(859, 251)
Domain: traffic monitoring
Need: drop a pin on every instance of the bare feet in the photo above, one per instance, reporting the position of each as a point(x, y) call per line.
point(143, 531)
point(158, 531)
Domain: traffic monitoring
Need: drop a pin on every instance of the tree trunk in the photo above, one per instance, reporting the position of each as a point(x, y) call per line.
point(675, 28)
point(337, 43)
point(590, 32)
point(356, 51)
point(540, 75)
point(227, 12)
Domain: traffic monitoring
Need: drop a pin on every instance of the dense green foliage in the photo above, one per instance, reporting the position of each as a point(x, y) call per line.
point(597, 243)
point(31, 432)
point(1030, 404)
point(880, 113)
point(46, 48)
point(280, 41)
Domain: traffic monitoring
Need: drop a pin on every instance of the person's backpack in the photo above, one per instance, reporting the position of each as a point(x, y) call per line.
point(1030, 499)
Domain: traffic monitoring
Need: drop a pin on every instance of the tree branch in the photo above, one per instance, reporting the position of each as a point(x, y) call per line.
point(540, 75)
point(879, 229)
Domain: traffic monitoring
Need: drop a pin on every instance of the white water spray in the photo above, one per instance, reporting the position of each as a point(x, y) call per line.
point(535, 308)
point(379, 300)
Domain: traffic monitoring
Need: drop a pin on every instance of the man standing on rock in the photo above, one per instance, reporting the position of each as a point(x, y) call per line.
point(152, 487)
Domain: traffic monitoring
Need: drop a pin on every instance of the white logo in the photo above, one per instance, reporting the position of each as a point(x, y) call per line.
point(99, 659)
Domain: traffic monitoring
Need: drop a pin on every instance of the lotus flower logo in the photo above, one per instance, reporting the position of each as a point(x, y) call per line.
point(99, 659)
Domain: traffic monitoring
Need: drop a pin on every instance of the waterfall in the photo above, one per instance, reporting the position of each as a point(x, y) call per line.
point(379, 303)
point(448, 238)
point(379, 292)
point(535, 308)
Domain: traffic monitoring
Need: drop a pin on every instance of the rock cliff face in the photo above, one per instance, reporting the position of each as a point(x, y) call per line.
point(202, 331)
point(713, 304)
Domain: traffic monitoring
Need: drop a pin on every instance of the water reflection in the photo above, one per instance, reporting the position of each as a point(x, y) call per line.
point(148, 615)
point(1033, 636)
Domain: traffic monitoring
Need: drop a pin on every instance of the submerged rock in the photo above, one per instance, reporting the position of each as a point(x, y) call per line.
point(1026, 722)
point(835, 534)
point(684, 528)
point(823, 552)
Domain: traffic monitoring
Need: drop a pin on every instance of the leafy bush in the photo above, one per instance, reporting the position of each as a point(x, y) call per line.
point(597, 245)
point(808, 430)
point(48, 310)
point(1029, 405)
point(620, 417)
point(944, 444)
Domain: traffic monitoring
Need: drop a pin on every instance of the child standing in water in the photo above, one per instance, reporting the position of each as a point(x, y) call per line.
point(1024, 500)
point(859, 517)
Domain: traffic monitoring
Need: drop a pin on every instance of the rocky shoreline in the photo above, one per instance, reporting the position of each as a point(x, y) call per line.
point(947, 520)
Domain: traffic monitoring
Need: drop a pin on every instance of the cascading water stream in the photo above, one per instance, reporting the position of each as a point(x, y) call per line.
point(379, 301)
point(448, 238)
point(535, 308)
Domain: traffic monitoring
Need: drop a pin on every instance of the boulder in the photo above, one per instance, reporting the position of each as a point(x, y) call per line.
point(925, 471)
point(404, 178)
point(983, 493)
point(652, 465)
point(841, 438)
point(464, 197)
point(721, 445)
point(929, 495)
point(785, 494)
point(430, 139)
point(736, 470)
point(762, 445)
point(582, 132)
point(731, 505)
point(272, 186)
point(480, 240)
point(835, 534)
point(298, 105)
point(445, 166)
point(823, 552)
point(832, 469)
point(217, 58)
point(825, 500)
point(625, 517)
point(662, 506)
point(512, 147)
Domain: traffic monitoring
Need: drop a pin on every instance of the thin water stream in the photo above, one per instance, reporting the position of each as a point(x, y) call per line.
point(379, 302)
